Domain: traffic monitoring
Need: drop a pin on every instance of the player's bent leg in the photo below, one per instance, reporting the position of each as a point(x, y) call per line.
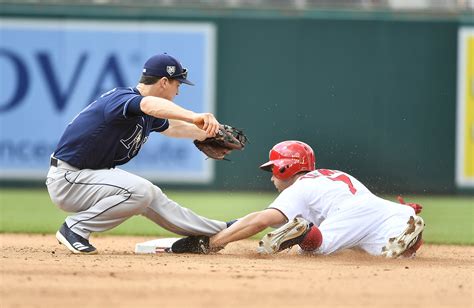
point(102, 199)
point(408, 241)
point(180, 220)
point(351, 227)
point(288, 235)
point(109, 198)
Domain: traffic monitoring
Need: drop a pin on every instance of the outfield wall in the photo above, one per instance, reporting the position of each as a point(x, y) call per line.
point(373, 93)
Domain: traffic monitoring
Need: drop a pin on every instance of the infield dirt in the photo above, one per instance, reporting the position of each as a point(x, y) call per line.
point(37, 272)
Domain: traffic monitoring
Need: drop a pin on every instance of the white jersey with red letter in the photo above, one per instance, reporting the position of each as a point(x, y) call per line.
point(346, 212)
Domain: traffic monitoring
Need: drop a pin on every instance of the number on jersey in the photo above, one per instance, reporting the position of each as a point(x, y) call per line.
point(333, 176)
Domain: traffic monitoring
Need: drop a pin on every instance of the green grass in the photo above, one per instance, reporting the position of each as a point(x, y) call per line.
point(449, 219)
point(31, 211)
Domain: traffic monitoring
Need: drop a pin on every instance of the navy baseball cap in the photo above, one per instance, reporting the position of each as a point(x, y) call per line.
point(165, 65)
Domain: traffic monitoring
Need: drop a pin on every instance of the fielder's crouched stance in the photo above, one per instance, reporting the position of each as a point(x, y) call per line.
point(109, 132)
point(321, 210)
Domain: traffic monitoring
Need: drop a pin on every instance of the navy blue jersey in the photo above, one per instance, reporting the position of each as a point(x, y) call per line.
point(108, 132)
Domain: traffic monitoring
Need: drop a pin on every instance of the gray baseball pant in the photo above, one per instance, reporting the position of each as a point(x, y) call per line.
point(103, 199)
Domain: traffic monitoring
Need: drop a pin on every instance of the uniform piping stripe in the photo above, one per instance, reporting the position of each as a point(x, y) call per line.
point(155, 128)
point(125, 107)
point(100, 184)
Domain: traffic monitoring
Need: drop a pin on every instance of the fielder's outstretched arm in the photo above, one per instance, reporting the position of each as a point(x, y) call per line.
point(165, 109)
point(247, 226)
point(181, 129)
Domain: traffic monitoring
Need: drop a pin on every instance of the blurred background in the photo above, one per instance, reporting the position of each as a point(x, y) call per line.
point(382, 89)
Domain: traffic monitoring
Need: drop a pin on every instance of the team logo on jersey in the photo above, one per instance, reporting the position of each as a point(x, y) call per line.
point(171, 69)
point(134, 142)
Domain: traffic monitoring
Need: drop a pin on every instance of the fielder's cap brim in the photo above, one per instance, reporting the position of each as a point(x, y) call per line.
point(184, 80)
point(164, 65)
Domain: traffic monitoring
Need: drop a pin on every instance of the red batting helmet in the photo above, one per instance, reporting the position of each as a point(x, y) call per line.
point(287, 158)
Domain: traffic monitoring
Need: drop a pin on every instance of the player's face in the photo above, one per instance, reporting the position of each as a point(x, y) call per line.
point(171, 89)
point(280, 185)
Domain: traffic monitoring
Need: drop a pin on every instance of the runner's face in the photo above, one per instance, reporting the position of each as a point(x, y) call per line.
point(280, 185)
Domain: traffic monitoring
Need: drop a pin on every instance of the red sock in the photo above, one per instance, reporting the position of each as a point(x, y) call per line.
point(312, 240)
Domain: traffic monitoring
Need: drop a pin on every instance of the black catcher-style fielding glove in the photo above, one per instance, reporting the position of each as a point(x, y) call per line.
point(226, 140)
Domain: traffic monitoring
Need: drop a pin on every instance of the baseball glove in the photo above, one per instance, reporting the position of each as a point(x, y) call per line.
point(226, 140)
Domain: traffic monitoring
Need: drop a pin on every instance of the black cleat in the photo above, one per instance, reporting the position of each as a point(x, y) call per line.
point(74, 242)
point(192, 244)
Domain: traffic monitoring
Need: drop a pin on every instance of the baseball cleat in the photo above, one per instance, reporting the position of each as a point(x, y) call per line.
point(192, 244)
point(74, 242)
point(286, 236)
point(406, 243)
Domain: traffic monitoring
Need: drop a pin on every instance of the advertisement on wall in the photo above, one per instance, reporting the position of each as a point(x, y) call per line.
point(52, 69)
point(465, 109)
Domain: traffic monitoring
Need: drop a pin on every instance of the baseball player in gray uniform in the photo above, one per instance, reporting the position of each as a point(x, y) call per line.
point(83, 178)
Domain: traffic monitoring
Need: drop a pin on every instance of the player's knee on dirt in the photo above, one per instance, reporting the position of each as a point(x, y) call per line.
point(312, 240)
